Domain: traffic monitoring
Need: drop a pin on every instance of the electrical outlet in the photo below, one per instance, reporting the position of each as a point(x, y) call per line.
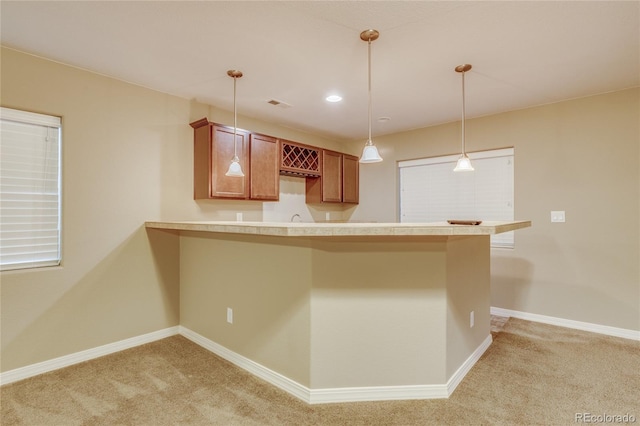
point(327, 216)
point(239, 217)
point(472, 319)
point(230, 315)
point(557, 216)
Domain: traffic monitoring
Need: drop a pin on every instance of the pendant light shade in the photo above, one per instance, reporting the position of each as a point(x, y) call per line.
point(370, 152)
point(464, 163)
point(235, 170)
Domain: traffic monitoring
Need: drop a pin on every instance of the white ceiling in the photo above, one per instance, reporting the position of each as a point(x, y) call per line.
point(524, 53)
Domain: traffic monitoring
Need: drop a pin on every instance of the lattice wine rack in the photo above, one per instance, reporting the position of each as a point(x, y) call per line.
point(299, 159)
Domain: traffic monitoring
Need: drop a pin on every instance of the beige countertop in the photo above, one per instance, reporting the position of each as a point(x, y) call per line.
point(337, 229)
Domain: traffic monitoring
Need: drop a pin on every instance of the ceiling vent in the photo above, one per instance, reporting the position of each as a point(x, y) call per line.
point(279, 103)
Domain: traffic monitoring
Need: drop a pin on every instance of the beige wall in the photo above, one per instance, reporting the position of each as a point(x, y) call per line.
point(127, 158)
point(378, 312)
point(117, 141)
point(340, 313)
point(581, 156)
point(265, 281)
point(468, 290)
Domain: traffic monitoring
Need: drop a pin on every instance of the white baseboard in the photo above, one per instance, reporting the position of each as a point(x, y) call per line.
point(310, 396)
point(337, 395)
point(389, 393)
point(561, 322)
point(377, 393)
point(292, 387)
point(75, 358)
point(457, 377)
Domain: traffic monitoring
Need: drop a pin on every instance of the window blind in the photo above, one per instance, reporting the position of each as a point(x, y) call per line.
point(430, 191)
point(29, 189)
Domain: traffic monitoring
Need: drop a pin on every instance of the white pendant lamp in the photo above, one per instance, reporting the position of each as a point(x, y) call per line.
point(464, 163)
point(370, 152)
point(235, 170)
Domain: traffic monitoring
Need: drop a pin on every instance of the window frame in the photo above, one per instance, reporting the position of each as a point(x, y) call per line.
point(505, 240)
point(54, 125)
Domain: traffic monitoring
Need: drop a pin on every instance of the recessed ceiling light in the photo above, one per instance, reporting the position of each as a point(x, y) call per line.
point(333, 98)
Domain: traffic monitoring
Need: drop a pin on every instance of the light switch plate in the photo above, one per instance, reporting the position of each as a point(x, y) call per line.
point(557, 216)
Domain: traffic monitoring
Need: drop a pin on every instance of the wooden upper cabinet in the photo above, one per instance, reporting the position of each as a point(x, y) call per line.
point(350, 179)
point(223, 151)
point(331, 177)
point(213, 152)
point(339, 180)
point(264, 162)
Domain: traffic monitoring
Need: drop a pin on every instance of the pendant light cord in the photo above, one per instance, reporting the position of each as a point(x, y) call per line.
point(463, 115)
point(235, 122)
point(369, 89)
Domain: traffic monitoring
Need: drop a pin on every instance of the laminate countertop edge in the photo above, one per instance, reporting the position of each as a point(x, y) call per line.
point(338, 229)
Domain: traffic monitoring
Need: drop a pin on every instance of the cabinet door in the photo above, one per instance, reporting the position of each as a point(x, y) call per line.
point(350, 179)
point(222, 152)
point(331, 176)
point(264, 161)
point(201, 159)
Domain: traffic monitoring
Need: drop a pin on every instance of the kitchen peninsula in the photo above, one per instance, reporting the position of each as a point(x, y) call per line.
point(335, 312)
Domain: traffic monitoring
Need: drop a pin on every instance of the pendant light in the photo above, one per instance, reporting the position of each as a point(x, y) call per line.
point(370, 152)
point(235, 170)
point(464, 163)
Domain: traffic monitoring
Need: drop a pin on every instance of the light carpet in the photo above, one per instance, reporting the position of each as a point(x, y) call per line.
point(532, 374)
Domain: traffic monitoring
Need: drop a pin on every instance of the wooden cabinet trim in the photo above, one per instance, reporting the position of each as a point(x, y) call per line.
point(199, 123)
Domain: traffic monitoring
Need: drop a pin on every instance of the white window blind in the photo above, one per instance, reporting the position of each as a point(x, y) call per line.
point(29, 189)
point(430, 191)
